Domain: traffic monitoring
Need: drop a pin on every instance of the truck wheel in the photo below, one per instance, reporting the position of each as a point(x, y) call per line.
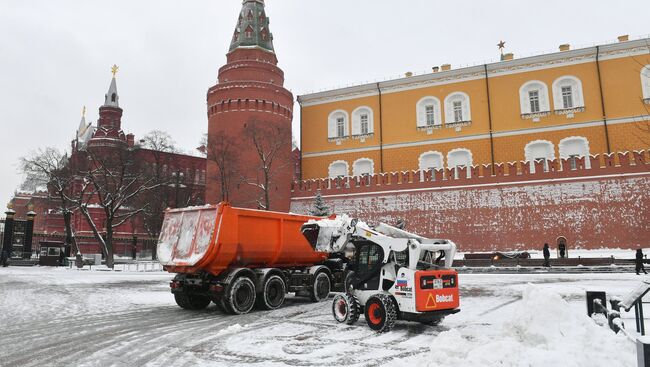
point(320, 290)
point(346, 308)
point(240, 298)
point(191, 302)
point(381, 313)
point(273, 292)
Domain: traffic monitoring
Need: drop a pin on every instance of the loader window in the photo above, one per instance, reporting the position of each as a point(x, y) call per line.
point(370, 258)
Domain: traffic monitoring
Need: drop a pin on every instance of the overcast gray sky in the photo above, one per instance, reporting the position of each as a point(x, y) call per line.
point(55, 56)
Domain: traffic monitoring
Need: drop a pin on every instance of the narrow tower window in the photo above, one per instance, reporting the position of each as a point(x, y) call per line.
point(113, 96)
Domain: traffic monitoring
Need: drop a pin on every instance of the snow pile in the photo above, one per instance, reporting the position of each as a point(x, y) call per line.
point(232, 329)
point(541, 331)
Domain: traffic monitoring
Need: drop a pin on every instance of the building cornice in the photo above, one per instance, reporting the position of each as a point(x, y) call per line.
point(526, 64)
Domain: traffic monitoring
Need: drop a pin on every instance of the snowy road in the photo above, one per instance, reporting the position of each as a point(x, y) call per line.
point(60, 317)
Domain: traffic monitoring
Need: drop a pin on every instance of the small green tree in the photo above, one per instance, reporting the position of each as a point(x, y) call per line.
point(320, 208)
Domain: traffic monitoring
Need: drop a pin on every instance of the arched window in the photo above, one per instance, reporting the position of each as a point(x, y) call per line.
point(363, 167)
point(645, 83)
point(539, 151)
point(457, 108)
point(567, 94)
point(113, 97)
point(337, 125)
point(338, 169)
point(533, 98)
point(575, 147)
point(430, 160)
point(460, 158)
point(428, 113)
point(265, 34)
point(250, 15)
point(362, 121)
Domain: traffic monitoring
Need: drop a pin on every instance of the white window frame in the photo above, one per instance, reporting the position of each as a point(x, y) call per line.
point(340, 163)
point(576, 94)
point(450, 112)
point(525, 102)
point(357, 115)
point(645, 83)
point(567, 149)
point(332, 125)
point(356, 167)
point(531, 153)
point(452, 161)
point(421, 113)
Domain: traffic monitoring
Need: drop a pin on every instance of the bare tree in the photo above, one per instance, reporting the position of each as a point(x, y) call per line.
point(273, 153)
point(112, 182)
point(51, 166)
point(160, 141)
point(221, 151)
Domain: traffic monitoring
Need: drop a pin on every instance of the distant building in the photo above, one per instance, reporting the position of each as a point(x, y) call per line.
point(567, 104)
point(186, 174)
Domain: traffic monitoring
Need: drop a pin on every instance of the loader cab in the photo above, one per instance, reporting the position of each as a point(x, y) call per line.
point(367, 263)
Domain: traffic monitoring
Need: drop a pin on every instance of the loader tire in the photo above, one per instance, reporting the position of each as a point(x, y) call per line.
point(381, 313)
point(240, 296)
point(346, 308)
point(321, 287)
point(272, 295)
point(191, 302)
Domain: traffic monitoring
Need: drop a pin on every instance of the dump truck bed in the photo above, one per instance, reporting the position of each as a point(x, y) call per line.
point(214, 238)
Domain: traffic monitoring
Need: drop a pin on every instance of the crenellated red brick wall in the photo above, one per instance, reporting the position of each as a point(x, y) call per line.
point(606, 205)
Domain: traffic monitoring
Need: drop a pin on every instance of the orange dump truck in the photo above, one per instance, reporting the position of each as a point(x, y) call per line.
point(240, 258)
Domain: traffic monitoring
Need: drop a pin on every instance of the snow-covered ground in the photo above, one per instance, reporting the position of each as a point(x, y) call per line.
point(65, 317)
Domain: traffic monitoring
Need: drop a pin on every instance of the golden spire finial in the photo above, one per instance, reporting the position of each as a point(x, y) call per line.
point(114, 69)
point(83, 112)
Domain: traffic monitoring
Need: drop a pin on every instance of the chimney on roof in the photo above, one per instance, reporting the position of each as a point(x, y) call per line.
point(130, 140)
point(435, 69)
point(408, 74)
point(508, 57)
point(565, 47)
point(445, 67)
point(623, 38)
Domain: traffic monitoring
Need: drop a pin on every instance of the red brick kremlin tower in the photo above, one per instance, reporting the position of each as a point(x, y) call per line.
point(249, 89)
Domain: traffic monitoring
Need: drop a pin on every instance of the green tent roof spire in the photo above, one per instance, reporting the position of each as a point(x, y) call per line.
point(252, 27)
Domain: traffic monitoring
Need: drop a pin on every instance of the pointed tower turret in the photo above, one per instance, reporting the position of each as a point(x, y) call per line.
point(252, 27)
point(109, 125)
point(251, 88)
point(111, 98)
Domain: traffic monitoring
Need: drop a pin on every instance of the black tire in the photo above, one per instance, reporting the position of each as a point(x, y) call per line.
point(380, 313)
point(191, 302)
point(272, 295)
point(346, 308)
point(321, 287)
point(240, 296)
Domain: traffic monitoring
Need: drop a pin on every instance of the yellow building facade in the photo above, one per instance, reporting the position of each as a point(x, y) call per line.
point(572, 103)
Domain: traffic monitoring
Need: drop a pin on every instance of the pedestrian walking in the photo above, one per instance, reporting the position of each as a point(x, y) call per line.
point(547, 255)
point(638, 261)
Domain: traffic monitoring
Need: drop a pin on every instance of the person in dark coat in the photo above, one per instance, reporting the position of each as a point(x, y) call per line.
point(547, 255)
point(638, 261)
point(562, 248)
point(4, 257)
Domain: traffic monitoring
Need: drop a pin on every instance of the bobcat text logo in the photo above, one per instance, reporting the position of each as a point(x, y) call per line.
point(444, 298)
